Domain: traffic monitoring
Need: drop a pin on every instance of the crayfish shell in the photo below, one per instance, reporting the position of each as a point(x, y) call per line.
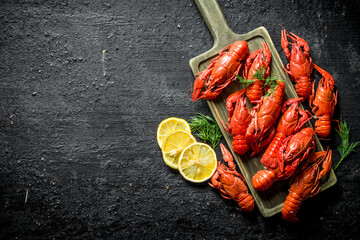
point(263, 180)
point(291, 207)
point(246, 202)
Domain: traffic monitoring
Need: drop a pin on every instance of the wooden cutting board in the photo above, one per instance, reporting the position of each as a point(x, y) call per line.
point(271, 201)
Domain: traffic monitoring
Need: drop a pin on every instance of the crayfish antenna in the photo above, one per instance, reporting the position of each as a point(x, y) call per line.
point(281, 26)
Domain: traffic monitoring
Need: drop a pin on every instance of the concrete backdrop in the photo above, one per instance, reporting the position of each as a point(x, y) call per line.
point(83, 87)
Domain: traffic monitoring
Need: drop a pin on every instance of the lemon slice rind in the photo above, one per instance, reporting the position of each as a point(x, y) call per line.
point(197, 163)
point(173, 145)
point(168, 126)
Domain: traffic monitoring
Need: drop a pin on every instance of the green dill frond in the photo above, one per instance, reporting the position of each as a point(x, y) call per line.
point(245, 81)
point(345, 148)
point(272, 83)
point(207, 128)
point(260, 74)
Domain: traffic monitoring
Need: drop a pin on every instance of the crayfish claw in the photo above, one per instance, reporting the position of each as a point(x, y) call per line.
point(227, 157)
point(198, 86)
point(231, 184)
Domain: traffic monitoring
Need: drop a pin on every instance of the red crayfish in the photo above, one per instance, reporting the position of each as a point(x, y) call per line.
point(293, 151)
point(257, 62)
point(220, 72)
point(305, 183)
point(291, 121)
point(300, 66)
point(261, 129)
point(323, 103)
point(238, 121)
point(231, 184)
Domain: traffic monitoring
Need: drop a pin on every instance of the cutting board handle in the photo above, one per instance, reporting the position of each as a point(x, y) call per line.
point(215, 20)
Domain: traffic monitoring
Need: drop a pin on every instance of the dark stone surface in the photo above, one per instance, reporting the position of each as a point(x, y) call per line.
point(105, 74)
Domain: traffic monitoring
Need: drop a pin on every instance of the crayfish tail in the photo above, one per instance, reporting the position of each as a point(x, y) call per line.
point(291, 207)
point(255, 91)
point(263, 180)
point(240, 145)
point(323, 126)
point(269, 158)
point(279, 92)
point(303, 87)
point(246, 202)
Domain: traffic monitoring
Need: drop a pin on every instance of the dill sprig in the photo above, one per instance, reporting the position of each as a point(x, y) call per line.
point(345, 148)
point(272, 82)
point(207, 128)
point(243, 80)
point(260, 75)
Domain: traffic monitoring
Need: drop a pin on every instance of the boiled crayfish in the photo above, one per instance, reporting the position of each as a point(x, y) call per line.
point(231, 184)
point(257, 66)
point(264, 115)
point(305, 183)
point(293, 151)
point(291, 121)
point(220, 72)
point(323, 103)
point(300, 66)
point(239, 119)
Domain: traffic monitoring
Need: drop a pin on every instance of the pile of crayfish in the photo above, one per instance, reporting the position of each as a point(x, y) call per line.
point(272, 125)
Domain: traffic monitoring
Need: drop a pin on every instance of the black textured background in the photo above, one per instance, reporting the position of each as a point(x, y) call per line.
point(105, 75)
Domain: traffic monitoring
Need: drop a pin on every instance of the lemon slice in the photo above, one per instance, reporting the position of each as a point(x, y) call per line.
point(174, 144)
point(197, 162)
point(169, 125)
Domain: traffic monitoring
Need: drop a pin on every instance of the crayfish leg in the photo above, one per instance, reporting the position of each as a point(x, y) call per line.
point(224, 194)
point(227, 127)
